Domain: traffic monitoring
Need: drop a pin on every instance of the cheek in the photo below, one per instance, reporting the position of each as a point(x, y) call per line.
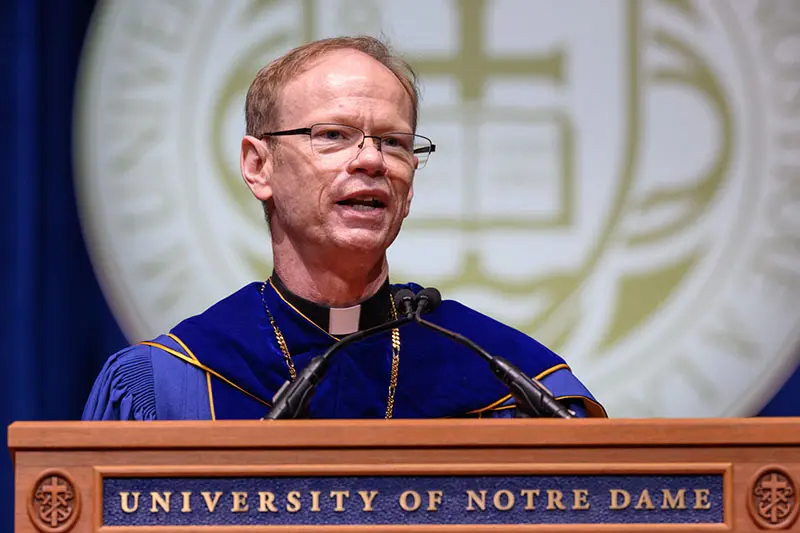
point(304, 187)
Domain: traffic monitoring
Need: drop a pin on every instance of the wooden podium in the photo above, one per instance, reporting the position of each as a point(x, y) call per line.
point(432, 475)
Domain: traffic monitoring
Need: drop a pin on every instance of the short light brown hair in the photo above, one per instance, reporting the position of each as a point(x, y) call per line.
point(262, 105)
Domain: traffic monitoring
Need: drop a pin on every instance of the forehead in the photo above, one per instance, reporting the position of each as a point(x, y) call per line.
point(346, 83)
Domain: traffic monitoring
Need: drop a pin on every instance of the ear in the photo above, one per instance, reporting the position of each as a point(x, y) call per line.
point(255, 163)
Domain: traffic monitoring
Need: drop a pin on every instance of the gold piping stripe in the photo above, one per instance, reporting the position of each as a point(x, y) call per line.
point(591, 405)
point(185, 348)
point(201, 366)
point(210, 396)
point(551, 370)
point(507, 397)
point(208, 374)
point(296, 310)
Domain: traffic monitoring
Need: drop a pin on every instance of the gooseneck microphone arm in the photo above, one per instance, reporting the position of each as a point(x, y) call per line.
point(292, 399)
point(532, 398)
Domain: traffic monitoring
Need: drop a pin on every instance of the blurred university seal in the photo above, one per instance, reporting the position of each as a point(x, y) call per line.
point(620, 179)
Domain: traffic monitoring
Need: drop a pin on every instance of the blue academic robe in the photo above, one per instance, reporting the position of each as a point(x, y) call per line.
point(225, 363)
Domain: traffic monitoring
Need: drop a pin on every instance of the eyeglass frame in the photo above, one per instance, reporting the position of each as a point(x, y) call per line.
point(364, 136)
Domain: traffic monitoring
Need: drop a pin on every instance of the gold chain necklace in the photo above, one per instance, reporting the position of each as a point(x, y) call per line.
point(287, 357)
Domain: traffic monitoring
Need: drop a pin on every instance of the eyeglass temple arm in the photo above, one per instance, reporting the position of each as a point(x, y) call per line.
point(298, 131)
point(424, 150)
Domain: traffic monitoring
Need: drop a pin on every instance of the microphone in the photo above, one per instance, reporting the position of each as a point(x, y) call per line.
point(532, 398)
point(293, 398)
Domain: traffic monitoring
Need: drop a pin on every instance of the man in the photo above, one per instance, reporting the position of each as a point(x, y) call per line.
point(331, 152)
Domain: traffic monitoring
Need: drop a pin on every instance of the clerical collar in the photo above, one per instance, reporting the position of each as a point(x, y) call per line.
point(373, 311)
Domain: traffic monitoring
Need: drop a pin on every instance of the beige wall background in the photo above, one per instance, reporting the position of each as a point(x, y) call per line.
point(618, 178)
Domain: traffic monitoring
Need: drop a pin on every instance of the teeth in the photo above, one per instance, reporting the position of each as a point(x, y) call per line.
point(367, 201)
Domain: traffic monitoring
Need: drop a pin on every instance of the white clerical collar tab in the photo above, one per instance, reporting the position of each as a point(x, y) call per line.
point(344, 320)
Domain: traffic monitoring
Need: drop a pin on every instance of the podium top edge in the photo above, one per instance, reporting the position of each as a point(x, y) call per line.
point(241, 434)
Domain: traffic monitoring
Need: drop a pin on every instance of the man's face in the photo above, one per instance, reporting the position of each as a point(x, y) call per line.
point(356, 199)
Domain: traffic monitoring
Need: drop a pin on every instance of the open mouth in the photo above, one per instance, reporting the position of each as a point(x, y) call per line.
point(363, 204)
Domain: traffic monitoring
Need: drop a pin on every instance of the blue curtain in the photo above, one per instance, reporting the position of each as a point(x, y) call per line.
point(56, 324)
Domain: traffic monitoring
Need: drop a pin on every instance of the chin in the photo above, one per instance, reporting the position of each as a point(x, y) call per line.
point(362, 240)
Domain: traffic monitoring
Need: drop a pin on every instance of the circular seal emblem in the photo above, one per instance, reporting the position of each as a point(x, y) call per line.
point(54, 504)
point(773, 499)
point(621, 182)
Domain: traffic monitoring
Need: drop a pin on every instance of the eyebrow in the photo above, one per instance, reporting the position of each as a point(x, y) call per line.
point(351, 121)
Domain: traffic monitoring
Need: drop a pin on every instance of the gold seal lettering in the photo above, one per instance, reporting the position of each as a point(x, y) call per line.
point(211, 503)
point(125, 504)
point(266, 502)
point(187, 507)
point(701, 502)
point(580, 501)
point(417, 500)
point(434, 500)
point(498, 498)
point(473, 499)
point(645, 502)
point(626, 499)
point(293, 501)
point(159, 499)
point(239, 502)
point(340, 495)
point(367, 497)
point(554, 497)
point(673, 502)
point(530, 494)
point(315, 501)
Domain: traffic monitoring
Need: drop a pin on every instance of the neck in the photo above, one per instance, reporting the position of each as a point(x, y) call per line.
point(339, 281)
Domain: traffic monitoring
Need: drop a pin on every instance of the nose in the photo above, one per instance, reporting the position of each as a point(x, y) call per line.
point(368, 159)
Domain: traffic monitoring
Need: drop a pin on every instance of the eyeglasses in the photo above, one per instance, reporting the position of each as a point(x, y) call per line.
point(332, 139)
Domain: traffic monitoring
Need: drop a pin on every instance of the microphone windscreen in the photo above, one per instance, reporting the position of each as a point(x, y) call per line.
point(402, 296)
point(433, 296)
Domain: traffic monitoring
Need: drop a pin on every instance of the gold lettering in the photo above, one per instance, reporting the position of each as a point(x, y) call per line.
point(530, 494)
point(187, 508)
point(580, 499)
point(266, 502)
point(434, 500)
point(676, 502)
point(239, 502)
point(211, 504)
point(367, 498)
point(644, 501)
point(293, 501)
point(417, 499)
point(554, 497)
point(626, 499)
point(126, 507)
point(473, 498)
point(701, 499)
point(315, 501)
point(340, 495)
point(160, 500)
point(497, 500)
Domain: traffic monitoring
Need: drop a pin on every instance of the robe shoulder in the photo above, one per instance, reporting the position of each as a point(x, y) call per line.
point(530, 355)
point(145, 382)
